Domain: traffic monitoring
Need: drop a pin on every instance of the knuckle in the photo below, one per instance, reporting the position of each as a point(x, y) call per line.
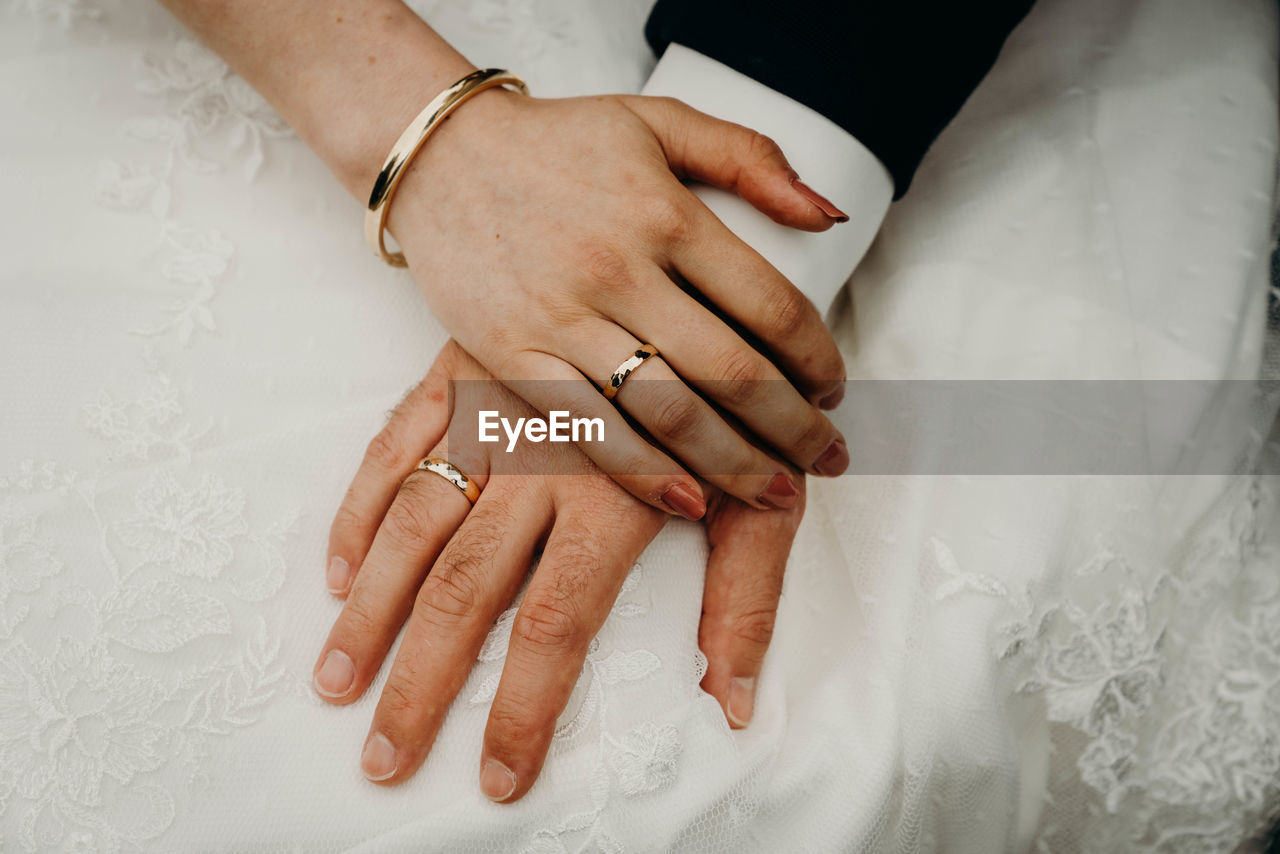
point(410, 521)
point(754, 627)
point(677, 418)
point(396, 701)
point(514, 725)
point(385, 451)
point(607, 267)
point(667, 102)
point(827, 364)
point(667, 219)
point(761, 148)
point(786, 309)
point(739, 374)
point(357, 620)
point(571, 318)
point(452, 591)
point(546, 626)
point(815, 432)
point(347, 522)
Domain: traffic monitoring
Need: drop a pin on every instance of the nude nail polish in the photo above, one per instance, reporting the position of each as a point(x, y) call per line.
point(834, 460)
point(822, 203)
point(684, 501)
point(378, 760)
point(781, 492)
point(335, 675)
point(338, 576)
point(742, 700)
point(496, 780)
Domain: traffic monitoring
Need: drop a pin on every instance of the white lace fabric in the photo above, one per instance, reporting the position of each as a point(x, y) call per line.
point(196, 345)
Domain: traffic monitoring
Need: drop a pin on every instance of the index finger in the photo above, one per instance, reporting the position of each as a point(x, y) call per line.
point(418, 423)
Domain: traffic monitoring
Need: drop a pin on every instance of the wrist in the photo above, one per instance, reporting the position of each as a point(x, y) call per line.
point(435, 177)
point(356, 146)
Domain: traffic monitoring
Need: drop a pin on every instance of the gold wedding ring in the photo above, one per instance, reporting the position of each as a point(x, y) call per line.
point(635, 360)
point(410, 142)
point(453, 474)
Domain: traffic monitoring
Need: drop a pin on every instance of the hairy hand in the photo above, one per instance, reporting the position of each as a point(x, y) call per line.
point(415, 549)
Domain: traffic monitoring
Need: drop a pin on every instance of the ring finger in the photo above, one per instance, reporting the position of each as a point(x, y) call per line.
point(680, 420)
point(424, 514)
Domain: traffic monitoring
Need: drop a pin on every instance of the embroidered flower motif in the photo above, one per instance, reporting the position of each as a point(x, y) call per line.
point(1107, 669)
point(1106, 762)
point(79, 843)
point(64, 12)
point(105, 415)
point(199, 257)
point(69, 723)
point(210, 97)
point(189, 531)
point(25, 559)
point(123, 187)
point(645, 758)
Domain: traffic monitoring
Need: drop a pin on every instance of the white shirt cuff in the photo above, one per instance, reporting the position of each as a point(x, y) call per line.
point(827, 157)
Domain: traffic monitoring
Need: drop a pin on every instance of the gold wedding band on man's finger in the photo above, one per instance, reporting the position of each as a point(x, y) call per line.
point(453, 475)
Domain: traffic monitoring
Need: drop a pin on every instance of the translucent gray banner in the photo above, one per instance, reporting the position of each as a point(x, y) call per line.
point(1001, 427)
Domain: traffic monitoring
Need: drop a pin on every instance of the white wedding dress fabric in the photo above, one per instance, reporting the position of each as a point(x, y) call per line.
point(196, 345)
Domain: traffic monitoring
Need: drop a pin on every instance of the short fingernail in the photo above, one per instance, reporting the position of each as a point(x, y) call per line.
point(338, 575)
point(742, 699)
point(822, 203)
point(780, 493)
point(834, 460)
point(335, 675)
point(832, 400)
point(684, 501)
point(378, 760)
point(496, 780)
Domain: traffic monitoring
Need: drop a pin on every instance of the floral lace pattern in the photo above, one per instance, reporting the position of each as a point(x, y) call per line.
point(644, 759)
point(1169, 686)
point(87, 714)
point(1159, 679)
point(88, 725)
point(90, 717)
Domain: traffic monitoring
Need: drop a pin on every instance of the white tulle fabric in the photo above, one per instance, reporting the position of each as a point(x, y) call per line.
point(196, 346)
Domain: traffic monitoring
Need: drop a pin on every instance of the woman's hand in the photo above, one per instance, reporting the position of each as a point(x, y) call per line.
point(549, 237)
point(388, 534)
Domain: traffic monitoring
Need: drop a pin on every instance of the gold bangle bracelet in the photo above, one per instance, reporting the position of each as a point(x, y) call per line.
point(410, 142)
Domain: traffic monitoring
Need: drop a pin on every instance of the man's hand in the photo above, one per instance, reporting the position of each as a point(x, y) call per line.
point(388, 534)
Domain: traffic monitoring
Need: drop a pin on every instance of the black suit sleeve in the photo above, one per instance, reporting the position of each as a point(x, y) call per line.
point(891, 72)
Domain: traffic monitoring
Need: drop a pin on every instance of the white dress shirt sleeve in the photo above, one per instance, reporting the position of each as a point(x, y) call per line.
point(826, 156)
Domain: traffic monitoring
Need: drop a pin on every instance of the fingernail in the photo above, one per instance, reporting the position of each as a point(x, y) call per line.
point(742, 700)
point(822, 203)
point(684, 501)
point(338, 575)
point(496, 780)
point(335, 675)
point(780, 493)
point(834, 460)
point(378, 761)
point(832, 400)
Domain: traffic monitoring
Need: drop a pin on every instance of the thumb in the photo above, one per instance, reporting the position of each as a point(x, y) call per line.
point(736, 159)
